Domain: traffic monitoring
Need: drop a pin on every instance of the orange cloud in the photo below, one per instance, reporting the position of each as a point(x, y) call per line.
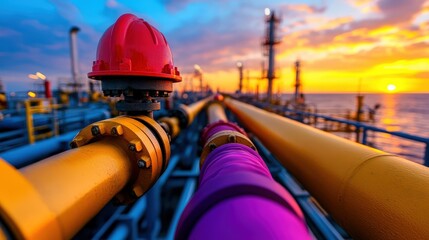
point(336, 52)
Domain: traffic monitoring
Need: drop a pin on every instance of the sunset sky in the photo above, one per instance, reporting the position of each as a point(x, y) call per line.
point(381, 42)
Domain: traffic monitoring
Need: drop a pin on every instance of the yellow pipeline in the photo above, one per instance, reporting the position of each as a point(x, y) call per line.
point(193, 109)
point(216, 112)
point(54, 198)
point(173, 124)
point(120, 157)
point(187, 112)
point(372, 194)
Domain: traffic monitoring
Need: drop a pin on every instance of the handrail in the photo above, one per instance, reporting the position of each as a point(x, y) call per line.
point(372, 194)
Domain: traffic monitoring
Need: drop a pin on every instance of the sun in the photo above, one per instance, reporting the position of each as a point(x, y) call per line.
point(391, 88)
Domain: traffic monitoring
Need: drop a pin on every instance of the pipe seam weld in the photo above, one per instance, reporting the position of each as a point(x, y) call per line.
point(353, 173)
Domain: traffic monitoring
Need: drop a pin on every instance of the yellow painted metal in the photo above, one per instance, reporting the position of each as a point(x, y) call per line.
point(52, 199)
point(22, 208)
point(190, 111)
point(3, 101)
point(372, 194)
point(29, 122)
point(173, 124)
point(40, 106)
point(216, 112)
point(146, 142)
point(76, 184)
point(193, 109)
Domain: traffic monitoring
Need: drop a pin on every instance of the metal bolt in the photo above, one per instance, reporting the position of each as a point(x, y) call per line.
point(141, 164)
point(212, 146)
point(133, 194)
point(95, 130)
point(73, 144)
point(114, 132)
point(232, 138)
point(135, 146)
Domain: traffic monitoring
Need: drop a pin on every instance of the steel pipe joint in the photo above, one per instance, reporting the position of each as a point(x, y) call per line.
point(219, 133)
point(147, 146)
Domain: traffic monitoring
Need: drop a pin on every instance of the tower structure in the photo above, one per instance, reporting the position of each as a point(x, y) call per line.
point(269, 44)
point(298, 85)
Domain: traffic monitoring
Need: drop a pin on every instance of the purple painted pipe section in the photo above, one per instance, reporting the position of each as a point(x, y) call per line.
point(238, 199)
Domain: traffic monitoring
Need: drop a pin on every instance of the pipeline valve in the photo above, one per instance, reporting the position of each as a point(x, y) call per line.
point(134, 61)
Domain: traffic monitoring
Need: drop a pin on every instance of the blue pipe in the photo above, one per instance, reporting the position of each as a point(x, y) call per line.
point(120, 232)
point(25, 155)
point(187, 192)
point(154, 198)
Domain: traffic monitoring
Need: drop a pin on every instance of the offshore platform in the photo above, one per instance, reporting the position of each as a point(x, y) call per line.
point(214, 167)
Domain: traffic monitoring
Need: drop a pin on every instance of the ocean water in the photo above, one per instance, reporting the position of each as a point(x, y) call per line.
point(407, 113)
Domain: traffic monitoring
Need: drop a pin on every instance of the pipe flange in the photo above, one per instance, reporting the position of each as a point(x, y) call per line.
point(145, 142)
point(181, 113)
point(172, 123)
point(206, 130)
point(224, 137)
point(160, 134)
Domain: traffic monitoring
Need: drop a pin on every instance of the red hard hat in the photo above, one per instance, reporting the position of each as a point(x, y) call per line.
point(131, 47)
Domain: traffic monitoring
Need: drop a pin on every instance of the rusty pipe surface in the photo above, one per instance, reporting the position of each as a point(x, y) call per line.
point(63, 192)
point(372, 194)
point(216, 113)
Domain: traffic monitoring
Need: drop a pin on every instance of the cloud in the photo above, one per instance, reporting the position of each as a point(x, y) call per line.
point(392, 12)
point(113, 9)
point(67, 10)
point(366, 6)
point(302, 8)
point(112, 3)
point(399, 11)
point(175, 5)
point(378, 62)
point(360, 2)
point(424, 75)
point(178, 5)
point(219, 42)
point(8, 32)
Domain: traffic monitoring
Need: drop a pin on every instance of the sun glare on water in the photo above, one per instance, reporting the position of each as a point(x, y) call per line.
point(391, 88)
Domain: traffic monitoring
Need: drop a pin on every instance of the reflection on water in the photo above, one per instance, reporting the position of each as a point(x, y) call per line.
point(389, 119)
point(407, 113)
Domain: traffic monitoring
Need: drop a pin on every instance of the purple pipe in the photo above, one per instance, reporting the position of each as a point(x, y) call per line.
point(238, 199)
